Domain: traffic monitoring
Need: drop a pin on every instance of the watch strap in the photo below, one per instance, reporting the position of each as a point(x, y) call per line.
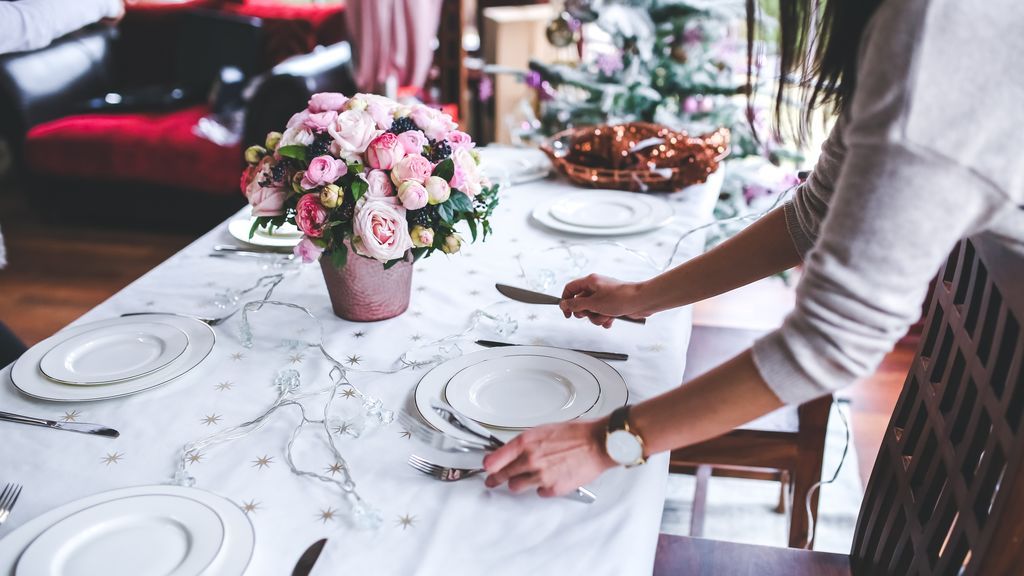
point(619, 419)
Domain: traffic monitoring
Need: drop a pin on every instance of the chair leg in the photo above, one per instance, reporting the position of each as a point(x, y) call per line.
point(700, 501)
point(783, 492)
point(810, 455)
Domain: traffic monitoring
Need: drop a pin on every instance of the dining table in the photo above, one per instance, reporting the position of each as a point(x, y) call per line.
point(426, 526)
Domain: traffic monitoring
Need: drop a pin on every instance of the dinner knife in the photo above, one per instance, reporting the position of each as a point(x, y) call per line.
point(309, 558)
point(594, 353)
point(531, 297)
point(81, 427)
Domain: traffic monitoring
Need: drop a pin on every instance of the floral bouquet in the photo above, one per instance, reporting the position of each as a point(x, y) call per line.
point(373, 185)
point(369, 172)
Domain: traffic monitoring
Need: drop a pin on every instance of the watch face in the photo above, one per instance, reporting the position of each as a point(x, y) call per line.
point(624, 448)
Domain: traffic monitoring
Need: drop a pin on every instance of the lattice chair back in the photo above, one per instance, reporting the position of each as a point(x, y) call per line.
point(946, 495)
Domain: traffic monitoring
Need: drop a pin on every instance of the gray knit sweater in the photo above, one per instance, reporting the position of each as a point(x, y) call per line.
point(930, 150)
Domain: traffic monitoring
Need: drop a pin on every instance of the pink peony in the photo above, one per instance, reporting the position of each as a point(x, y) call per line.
point(459, 140)
point(310, 215)
point(384, 151)
point(380, 229)
point(327, 101)
point(307, 250)
point(320, 121)
point(434, 123)
point(297, 119)
point(413, 141)
point(297, 134)
point(412, 167)
point(265, 200)
point(467, 177)
point(438, 190)
point(380, 184)
point(413, 195)
point(353, 131)
point(323, 170)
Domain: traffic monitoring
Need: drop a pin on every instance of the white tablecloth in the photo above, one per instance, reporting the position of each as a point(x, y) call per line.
point(429, 527)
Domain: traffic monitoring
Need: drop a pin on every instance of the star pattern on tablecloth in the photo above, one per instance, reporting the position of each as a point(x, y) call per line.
point(343, 428)
point(210, 419)
point(353, 359)
point(656, 347)
point(150, 303)
point(250, 506)
point(335, 468)
point(263, 462)
point(406, 521)
point(112, 458)
point(472, 272)
point(415, 337)
point(326, 514)
point(237, 356)
point(532, 317)
point(71, 415)
point(348, 392)
point(405, 434)
point(474, 292)
point(421, 288)
point(296, 358)
point(194, 457)
point(416, 313)
point(359, 334)
point(223, 386)
point(539, 342)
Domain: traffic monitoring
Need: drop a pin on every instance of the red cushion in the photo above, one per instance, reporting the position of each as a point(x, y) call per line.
point(147, 148)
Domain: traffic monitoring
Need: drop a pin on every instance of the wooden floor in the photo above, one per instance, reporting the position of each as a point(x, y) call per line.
point(57, 273)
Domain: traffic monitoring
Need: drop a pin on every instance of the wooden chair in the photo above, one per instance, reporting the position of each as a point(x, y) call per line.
point(787, 446)
point(946, 495)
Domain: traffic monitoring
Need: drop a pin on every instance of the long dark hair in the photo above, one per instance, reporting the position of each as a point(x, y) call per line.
point(818, 45)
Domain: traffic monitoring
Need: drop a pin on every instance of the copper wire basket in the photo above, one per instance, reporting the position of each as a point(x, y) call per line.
point(639, 156)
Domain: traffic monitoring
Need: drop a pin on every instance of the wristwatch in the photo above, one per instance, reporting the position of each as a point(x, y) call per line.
point(623, 445)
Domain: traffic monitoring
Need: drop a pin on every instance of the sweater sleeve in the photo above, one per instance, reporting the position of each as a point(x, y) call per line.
point(807, 210)
point(33, 24)
point(897, 212)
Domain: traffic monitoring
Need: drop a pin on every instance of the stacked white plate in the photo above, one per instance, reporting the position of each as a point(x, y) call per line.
point(142, 531)
point(112, 358)
point(604, 213)
point(513, 388)
point(285, 236)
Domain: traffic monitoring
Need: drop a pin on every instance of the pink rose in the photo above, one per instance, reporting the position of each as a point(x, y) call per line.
point(325, 101)
point(353, 131)
point(380, 229)
point(320, 121)
point(434, 123)
point(381, 114)
point(310, 215)
point(297, 134)
point(297, 119)
point(380, 184)
point(384, 151)
point(467, 173)
point(413, 141)
point(438, 190)
point(412, 167)
point(265, 200)
point(323, 170)
point(413, 195)
point(422, 237)
point(307, 250)
point(459, 140)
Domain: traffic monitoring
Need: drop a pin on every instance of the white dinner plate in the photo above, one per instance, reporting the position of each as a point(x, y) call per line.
point(235, 550)
point(114, 353)
point(284, 236)
point(523, 391)
point(602, 209)
point(26, 376)
point(604, 213)
point(150, 535)
point(431, 386)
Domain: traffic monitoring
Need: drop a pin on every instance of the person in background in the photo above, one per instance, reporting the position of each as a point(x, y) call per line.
point(926, 150)
point(33, 24)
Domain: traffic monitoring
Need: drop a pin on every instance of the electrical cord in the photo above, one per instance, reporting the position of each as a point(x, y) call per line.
point(811, 524)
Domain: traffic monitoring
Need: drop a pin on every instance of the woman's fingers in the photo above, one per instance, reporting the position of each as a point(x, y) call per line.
point(502, 457)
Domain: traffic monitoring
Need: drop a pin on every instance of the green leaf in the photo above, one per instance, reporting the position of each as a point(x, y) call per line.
point(296, 151)
point(445, 169)
point(359, 188)
point(355, 168)
point(390, 263)
point(254, 227)
point(418, 253)
point(460, 202)
point(472, 227)
point(339, 257)
point(446, 212)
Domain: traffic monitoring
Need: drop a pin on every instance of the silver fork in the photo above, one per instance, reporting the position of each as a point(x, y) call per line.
point(443, 473)
point(209, 321)
point(437, 439)
point(8, 498)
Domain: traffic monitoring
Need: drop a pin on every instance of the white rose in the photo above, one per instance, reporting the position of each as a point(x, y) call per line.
point(353, 131)
point(381, 231)
point(297, 134)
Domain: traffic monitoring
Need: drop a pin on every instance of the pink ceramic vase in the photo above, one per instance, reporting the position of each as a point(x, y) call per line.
point(363, 291)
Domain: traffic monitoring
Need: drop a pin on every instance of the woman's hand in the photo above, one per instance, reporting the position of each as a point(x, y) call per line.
point(602, 299)
point(556, 459)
